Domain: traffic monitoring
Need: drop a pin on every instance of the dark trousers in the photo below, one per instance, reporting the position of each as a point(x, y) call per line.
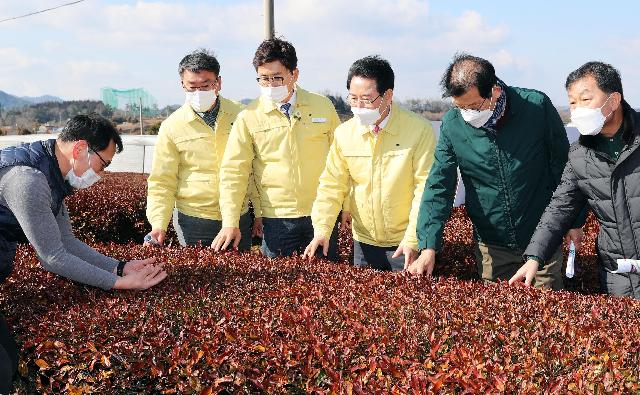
point(620, 284)
point(8, 346)
point(286, 236)
point(8, 358)
point(7, 255)
point(501, 263)
point(191, 230)
point(380, 258)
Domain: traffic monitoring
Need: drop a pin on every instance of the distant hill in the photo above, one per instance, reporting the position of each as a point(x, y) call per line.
point(8, 101)
point(42, 99)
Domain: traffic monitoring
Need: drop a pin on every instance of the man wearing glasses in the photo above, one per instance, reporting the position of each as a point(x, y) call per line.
point(184, 177)
point(511, 148)
point(383, 156)
point(281, 140)
point(34, 180)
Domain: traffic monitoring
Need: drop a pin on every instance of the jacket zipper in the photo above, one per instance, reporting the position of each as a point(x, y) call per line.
point(507, 198)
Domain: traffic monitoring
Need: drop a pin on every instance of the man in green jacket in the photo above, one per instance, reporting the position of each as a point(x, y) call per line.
point(511, 147)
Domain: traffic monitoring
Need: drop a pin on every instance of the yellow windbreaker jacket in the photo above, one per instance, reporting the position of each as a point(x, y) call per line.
point(284, 155)
point(384, 177)
point(186, 164)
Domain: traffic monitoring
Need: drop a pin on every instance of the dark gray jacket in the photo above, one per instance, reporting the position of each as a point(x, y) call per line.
point(610, 188)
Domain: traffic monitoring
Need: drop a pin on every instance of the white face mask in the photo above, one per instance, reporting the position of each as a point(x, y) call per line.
point(87, 179)
point(275, 93)
point(201, 101)
point(366, 116)
point(477, 118)
point(589, 121)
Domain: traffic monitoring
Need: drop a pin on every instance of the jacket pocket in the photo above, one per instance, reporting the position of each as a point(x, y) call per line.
point(397, 172)
point(269, 141)
point(190, 137)
point(315, 132)
point(198, 189)
point(359, 162)
point(197, 152)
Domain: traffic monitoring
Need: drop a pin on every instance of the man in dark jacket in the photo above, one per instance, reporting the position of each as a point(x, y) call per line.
point(34, 180)
point(603, 172)
point(511, 146)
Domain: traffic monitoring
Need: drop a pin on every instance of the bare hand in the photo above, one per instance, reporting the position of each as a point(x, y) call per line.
point(144, 278)
point(159, 235)
point(527, 272)
point(224, 239)
point(257, 229)
point(575, 235)
point(345, 220)
point(138, 264)
point(424, 264)
point(409, 255)
point(317, 241)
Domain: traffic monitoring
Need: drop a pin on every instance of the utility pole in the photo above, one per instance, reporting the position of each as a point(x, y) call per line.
point(140, 102)
point(268, 19)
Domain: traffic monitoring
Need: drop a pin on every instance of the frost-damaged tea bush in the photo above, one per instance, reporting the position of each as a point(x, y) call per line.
point(241, 323)
point(113, 209)
point(232, 323)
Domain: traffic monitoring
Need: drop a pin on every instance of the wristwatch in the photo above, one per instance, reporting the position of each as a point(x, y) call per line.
point(120, 268)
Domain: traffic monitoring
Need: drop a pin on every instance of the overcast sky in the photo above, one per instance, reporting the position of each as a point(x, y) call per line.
point(73, 51)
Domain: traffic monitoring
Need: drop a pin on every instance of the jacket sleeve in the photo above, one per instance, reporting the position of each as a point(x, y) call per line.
point(557, 142)
point(254, 197)
point(422, 162)
point(28, 196)
point(235, 172)
point(334, 122)
point(163, 180)
point(78, 248)
point(333, 189)
point(558, 145)
point(438, 195)
point(566, 204)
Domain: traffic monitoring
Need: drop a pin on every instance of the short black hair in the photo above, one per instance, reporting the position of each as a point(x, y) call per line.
point(276, 49)
point(375, 68)
point(606, 76)
point(96, 130)
point(199, 60)
point(465, 72)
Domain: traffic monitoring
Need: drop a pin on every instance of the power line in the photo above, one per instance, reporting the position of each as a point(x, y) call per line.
point(41, 11)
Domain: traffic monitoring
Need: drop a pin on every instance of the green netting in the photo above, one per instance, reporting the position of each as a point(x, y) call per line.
point(129, 100)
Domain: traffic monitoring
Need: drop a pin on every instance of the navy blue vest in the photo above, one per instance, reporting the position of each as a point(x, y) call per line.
point(41, 156)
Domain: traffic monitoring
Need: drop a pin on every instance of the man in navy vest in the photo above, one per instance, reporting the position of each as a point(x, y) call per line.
point(34, 180)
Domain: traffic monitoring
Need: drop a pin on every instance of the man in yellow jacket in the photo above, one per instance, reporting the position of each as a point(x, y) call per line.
point(282, 139)
point(383, 156)
point(187, 158)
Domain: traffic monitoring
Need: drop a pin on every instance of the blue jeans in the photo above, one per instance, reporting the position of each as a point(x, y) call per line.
point(286, 236)
point(192, 230)
point(380, 258)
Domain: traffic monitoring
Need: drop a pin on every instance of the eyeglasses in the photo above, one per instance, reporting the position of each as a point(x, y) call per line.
point(105, 164)
point(473, 108)
point(265, 80)
point(209, 87)
point(354, 101)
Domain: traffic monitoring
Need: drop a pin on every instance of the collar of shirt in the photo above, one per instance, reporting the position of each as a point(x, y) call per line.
point(614, 145)
point(291, 101)
point(382, 124)
point(210, 117)
point(498, 111)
